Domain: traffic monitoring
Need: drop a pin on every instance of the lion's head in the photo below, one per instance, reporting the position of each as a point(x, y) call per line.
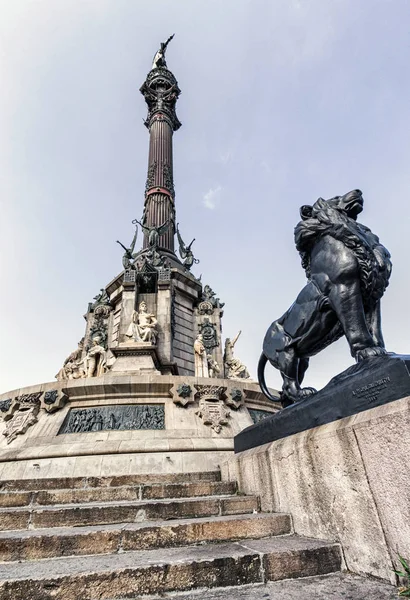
point(350, 204)
point(336, 217)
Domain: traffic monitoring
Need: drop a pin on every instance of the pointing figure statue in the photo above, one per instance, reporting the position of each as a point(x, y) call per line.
point(159, 58)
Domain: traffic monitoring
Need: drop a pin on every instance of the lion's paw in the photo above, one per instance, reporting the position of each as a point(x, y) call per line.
point(371, 352)
point(304, 393)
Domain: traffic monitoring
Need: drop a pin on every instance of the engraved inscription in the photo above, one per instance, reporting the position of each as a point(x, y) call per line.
point(371, 391)
point(115, 418)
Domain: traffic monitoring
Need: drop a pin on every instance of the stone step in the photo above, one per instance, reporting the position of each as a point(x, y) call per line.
point(101, 513)
point(114, 494)
point(62, 483)
point(335, 586)
point(132, 574)
point(109, 539)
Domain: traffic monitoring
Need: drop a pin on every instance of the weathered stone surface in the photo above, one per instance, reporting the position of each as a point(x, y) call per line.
point(55, 542)
point(329, 587)
point(100, 482)
point(125, 512)
point(130, 574)
point(342, 481)
point(123, 493)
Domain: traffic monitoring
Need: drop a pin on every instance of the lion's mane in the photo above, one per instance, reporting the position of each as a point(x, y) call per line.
point(373, 259)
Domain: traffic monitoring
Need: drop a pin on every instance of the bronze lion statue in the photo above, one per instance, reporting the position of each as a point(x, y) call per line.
point(348, 271)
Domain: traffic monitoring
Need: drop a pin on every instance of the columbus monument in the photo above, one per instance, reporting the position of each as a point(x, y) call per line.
point(152, 384)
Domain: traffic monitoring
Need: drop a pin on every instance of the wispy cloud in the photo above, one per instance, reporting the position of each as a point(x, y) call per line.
point(212, 197)
point(226, 157)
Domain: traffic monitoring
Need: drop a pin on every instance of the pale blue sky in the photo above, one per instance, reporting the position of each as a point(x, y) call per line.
point(282, 101)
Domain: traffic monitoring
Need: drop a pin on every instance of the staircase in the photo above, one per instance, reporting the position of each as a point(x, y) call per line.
point(113, 538)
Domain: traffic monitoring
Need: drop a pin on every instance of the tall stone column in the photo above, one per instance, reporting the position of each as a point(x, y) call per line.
point(161, 92)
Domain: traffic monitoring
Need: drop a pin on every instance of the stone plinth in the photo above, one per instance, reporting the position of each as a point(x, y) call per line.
point(367, 384)
point(345, 481)
point(125, 424)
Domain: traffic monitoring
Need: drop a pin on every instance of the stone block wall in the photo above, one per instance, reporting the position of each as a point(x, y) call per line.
point(346, 481)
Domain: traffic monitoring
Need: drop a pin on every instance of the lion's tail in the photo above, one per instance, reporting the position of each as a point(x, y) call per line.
point(261, 378)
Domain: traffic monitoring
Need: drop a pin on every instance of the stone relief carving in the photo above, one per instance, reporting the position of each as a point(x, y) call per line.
point(235, 398)
point(53, 400)
point(234, 368)
point(201, 359)
point(20, 422)
point(144, 326)
point(209, 335)
point(116, 418)
point(212, 409)
point(209, 302)
point(22, 414)
point(183, 394)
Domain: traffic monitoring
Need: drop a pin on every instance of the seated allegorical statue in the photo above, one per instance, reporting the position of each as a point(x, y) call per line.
point(234, 368)
point(143, 326)
point(95, 361)
point(73, 365)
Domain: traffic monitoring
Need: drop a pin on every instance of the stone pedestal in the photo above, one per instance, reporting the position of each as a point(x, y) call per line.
point(369, 383)
point(345, 481)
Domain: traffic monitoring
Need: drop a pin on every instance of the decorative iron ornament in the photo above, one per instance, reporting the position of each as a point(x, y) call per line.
point(161, 91)
point(152, 170)
point(168, 178)
point(114, 418)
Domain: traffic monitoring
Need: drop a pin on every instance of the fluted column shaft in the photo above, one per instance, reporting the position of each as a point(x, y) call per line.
point(159, 193)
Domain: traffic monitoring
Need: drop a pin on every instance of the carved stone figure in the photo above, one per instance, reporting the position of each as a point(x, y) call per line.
point(348, 271)
point(95, 361)
point(185, 252)
point(73, 365)
point(209, 301)
point(129, 256)
point(213, 367)
point(143, 327)
point(154, 233)
point(159, 58)
point(212, 409)
point(201, 360)
point(234, 368)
